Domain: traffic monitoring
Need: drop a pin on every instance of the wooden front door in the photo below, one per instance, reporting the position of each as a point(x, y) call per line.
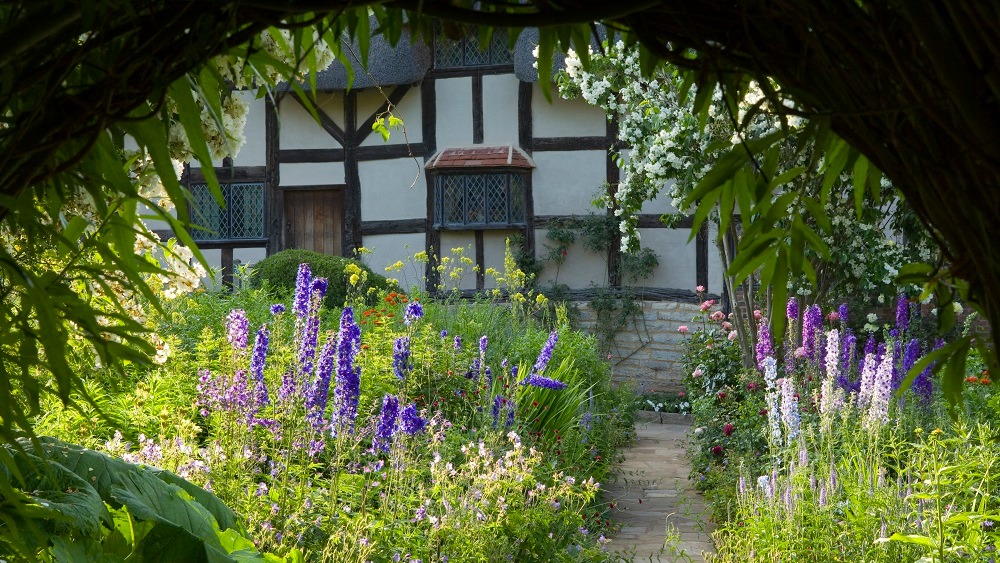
point(314, 220)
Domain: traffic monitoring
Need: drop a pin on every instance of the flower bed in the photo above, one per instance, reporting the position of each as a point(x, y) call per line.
point(826, 452)
point(410, 430)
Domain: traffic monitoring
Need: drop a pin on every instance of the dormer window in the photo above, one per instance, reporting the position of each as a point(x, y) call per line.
point(468, 52)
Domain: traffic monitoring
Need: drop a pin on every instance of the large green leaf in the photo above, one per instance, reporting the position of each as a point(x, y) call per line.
point(179, 520)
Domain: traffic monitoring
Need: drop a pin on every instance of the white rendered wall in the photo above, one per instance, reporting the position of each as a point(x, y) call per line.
point(252, 153)
point(500, 109)
point(311, 173)
point(409, 110)
point(564, 118)
point(245, 256)
point(387, 249)
point(582, 268)
point(454, 112)
point(676, 255)
point(459, 239)
point(565, 183)
point(392, 189)
point(716, 272)
point(298, 129)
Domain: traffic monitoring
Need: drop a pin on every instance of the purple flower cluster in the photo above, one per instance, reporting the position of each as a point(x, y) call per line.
point(307, 345)
point(318, 394)
point(257, 359)
point(764, 347)
point(792, 309)
point(410, 420)
point(303, 284)
point(546, 353)
point(812, 326)
point(923, 384)
point(401, 357)
point(385, 428)
point(842, 313)
point(237, 329)
point(498, 402)
point(348, 388)
point(536, 380)
point(277, 309)
point(413, 312)
point(902, 313)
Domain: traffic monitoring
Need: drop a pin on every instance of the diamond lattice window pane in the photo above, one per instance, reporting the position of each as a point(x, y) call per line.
point(516, 198)
point(499, 52)
point(496, 198)
point(246, 211)
point(447, 53)
point(474, 54)
point(206, 213)
point(475, 199)
point(453, 195)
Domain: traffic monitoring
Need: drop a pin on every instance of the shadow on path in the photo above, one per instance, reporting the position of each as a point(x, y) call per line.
point(653, 500)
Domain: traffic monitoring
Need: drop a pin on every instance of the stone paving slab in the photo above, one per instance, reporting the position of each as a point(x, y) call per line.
point(653, 500)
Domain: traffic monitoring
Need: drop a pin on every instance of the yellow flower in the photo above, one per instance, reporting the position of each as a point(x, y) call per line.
point(354, 279)
point(420, 256)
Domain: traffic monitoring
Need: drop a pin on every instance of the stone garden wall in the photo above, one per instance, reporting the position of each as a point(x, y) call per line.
point(648, 352)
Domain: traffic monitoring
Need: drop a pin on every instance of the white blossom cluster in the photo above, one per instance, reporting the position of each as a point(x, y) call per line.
point(668, 146)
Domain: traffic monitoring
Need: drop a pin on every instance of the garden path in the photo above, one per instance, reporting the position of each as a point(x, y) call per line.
point(661, 517)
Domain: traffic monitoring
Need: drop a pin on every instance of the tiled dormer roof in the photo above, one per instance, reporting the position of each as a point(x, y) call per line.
point(503, 156)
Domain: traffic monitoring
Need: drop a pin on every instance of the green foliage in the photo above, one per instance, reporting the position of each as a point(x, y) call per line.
point(82, 503)
point(278, 272)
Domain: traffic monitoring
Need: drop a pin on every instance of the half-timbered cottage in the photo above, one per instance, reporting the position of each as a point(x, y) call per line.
point(483, 155)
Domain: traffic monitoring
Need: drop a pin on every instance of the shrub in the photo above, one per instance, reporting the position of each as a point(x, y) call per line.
point(278, 271)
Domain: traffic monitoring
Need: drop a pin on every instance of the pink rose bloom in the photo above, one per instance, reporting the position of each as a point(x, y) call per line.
point(705, 306)
point(833, 316)
point(681, 393)
point(683, 329)
point(717, 316)
point(700, 289)
point(800, 352)
point(727, 326)
point(757, 314)
point(732, 336)
point(697, 373)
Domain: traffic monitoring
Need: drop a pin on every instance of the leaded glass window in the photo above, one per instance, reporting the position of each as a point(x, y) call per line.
point(242, 218)
point(473, 201)
point(468, 52)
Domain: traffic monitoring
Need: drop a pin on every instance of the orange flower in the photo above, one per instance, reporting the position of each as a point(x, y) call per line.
point(985, 381)
point(971, 379)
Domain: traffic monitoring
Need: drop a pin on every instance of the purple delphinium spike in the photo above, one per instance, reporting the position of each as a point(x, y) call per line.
point(414, 310)
point(842, 312)
point(303, 283)
point(288, 388)
point(488, 374)
point(318, 394)
point(385, 428)
point(910, 355)
point(812, 323)
point(847, 359)
point(869, 349)
point(510, 415)
point(237, 329)
point(348, 388)
point(444, 334)
point(401, 357)
point(483, 342)
point(536, 380)
point(764, 347)
point(498, 402)
point(257, 359)
point(410, 420)
point(546, 353)
point(923, 385)
point(902, 313)
point(277, 309)
point(792, 310)
point(458, 342)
